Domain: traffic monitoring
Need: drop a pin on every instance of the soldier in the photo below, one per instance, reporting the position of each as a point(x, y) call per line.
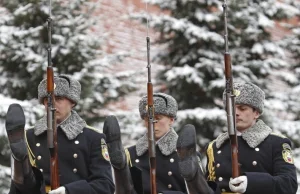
point(265, 158)
point(84, 165)
point(168, 164)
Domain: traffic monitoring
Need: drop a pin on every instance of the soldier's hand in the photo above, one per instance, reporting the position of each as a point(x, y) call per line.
point(59, 190)
point(238, 184)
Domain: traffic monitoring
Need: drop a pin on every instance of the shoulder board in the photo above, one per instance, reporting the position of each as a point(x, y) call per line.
point(128, 157)
point(30, 153)
point(210, 144)
point(211, 161)
point(94, 129)
point(278, 135)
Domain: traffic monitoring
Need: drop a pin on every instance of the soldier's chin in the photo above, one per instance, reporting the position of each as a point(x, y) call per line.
point(157, 136)
point(58, 119)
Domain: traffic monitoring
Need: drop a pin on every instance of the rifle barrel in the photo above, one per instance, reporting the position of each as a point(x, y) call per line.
point(151, 137)
point(230, 102)
point(51, 112)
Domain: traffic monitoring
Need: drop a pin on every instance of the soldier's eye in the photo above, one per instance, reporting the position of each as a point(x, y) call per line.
point(157, 118)
point(59, 98)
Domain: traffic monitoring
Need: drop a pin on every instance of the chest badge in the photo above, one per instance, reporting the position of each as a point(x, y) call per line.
point(104, 150)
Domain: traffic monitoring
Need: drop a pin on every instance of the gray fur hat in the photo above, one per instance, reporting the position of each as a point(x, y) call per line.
point(163, 104)
point(65, 86)
point(249, 94)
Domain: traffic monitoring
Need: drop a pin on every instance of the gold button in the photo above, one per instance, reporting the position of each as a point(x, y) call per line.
point(169, 186)
point(257, 149)
point(170, 173)
point(76, 142)
point(219, 152)
point(39, 157)
point(220, 179)
point(75, 155)
point(137, 160)
point(74, 170)
point(254, 163)
point(38, 144)
point(171, 160)
point(218, 165)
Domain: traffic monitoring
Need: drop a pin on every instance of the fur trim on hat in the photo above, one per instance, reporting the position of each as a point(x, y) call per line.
point(167, 143)
point(72, 126)
point(65, 86)
point(163, 104)
point(249, 94)
point(253, 136)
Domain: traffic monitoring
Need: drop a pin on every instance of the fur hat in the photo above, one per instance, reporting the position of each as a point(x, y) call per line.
point(163, 104)
point(248, 94)
point(65, 86)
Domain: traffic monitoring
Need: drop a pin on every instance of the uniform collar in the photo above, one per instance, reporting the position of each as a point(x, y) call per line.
point(253, 136)
point(166, 144)
point(72, 126)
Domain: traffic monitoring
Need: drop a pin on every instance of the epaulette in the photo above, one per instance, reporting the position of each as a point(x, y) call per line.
point(278, 134)
point(94, 129)
point(128, 157)
point(211, 161)
point(30, 153)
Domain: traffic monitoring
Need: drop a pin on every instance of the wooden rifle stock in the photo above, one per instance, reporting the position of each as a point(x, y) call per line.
point(151, 138)
point(230, 103)
point(51, 116)
point(52, 130)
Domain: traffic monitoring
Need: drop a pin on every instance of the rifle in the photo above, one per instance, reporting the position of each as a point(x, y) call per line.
point(151, 140)
point(230, 102)
point(51, 118)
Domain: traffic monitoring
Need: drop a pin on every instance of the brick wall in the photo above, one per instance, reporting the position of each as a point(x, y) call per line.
point(124, 35)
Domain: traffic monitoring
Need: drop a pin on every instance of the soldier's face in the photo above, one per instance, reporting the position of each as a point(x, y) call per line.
point(162, 125)
point(245, 117)
point(63, 108)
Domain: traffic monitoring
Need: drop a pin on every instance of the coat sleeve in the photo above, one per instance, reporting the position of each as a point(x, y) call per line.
point(39, 187)
point(100, 172)
point(283, 180)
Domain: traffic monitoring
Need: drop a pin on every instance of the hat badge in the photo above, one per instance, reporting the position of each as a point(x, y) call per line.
point(236, 92)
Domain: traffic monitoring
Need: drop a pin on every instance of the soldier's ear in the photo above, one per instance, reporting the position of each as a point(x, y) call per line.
point(172, 120)
point(256, 114)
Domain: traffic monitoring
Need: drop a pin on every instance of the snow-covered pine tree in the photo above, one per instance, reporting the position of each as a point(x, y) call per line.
point(292, 77)
point(192, 35)
point(4, 162)
point(291, 41)
point(75, 50)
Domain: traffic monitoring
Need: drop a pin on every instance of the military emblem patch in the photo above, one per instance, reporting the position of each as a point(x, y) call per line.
point(104, 150)
point(236, 92)
point(287, 153)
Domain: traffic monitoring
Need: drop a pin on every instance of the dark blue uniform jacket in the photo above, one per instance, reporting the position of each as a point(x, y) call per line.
point(168, 177)
point(83, 160)
point(265, 158)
